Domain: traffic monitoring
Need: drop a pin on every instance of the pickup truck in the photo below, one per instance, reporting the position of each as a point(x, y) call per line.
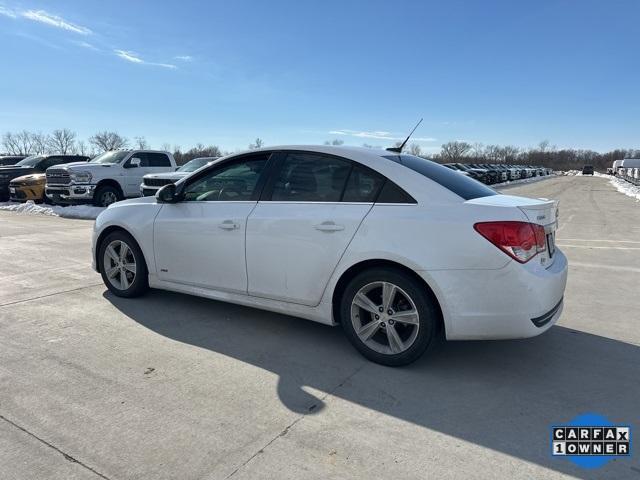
point(108, 178)
point(153, 182)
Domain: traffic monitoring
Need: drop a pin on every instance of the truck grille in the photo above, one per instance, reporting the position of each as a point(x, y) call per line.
point(58, 177)
point(157, 182)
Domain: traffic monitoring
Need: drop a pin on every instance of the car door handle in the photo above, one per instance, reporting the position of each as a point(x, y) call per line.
point(228, 225)
point(328, 227)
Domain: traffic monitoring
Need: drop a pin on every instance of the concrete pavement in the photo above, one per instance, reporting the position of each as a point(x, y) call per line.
point(170, 386)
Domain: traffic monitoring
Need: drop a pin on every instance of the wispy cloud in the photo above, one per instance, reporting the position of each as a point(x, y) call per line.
point(379, 135)
point(86, 45)
point(135, 58)
point(184, 58)
point(128, 56)
point(54, 21)
point(6, 12)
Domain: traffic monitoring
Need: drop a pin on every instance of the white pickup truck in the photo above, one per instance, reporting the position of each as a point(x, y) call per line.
point(108, 178)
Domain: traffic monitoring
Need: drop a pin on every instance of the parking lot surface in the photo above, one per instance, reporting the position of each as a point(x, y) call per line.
point(176, 387)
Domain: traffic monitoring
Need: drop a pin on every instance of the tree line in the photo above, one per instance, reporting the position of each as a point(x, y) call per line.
point(544, 154)
point(64, 141)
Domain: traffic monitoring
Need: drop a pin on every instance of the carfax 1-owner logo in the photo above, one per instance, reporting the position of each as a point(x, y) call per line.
point(590, 440)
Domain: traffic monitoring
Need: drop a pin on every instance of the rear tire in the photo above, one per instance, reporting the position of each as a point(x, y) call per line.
point(388, 316)
point(105, 195)
point(122, 265)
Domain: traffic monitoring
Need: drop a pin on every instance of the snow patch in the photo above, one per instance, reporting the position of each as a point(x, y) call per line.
point(629, 189)
point(85, 212)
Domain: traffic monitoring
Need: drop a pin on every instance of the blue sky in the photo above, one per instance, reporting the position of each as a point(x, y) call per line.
point(225, 72)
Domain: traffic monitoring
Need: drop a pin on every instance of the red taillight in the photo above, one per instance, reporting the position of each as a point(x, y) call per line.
point(520, 240)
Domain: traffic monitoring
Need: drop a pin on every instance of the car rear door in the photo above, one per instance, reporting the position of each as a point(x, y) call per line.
point(200, 241)
point(303, 223)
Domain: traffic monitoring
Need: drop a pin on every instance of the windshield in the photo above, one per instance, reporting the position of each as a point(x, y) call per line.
point(110, 157)
point(29, 161)
point(461, 185)
point(194, 164)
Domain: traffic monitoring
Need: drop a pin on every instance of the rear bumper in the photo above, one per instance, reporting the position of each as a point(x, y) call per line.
point(517, 301)
point(70, 193)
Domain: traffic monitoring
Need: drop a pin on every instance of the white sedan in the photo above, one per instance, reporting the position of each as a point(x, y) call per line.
point(394, 248)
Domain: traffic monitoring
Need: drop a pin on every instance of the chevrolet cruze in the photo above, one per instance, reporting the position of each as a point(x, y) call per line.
point(394, 248)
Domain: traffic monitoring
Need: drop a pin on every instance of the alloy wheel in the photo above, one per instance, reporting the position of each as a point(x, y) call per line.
point(385, 318)
point(108, 198)
point(119, 264)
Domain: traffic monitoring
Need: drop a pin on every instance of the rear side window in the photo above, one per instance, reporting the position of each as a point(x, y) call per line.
point(158, 160)
point(456, 182)
point(363, 185)
point(310, 177)
point(392, 193)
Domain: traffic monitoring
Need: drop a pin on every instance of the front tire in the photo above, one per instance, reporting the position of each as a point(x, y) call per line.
point(105, 195)
point(122, 265)
point(388, 316)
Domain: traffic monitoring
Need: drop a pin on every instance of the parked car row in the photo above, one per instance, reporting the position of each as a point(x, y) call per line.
point(105, 179)
point(116, 175)
point(497, 173)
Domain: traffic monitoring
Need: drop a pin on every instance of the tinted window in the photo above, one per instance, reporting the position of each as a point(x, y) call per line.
point(310, 177)
point(392, 193)
point(49, 162)
point(363, 185)
point(459, 184)
point(158, 160)
point(233, 181)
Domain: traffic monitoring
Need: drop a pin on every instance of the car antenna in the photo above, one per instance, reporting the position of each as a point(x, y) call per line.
point(399, 149)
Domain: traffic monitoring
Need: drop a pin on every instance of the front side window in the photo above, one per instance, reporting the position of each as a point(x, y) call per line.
point(233, 181)
point(311, 177)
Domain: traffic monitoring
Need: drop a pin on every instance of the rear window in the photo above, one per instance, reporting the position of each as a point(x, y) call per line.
point(452, 180)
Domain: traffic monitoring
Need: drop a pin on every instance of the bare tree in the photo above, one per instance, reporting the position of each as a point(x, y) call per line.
point(543, 146)
point(106, 141)
point(166, 147)
point(25, 142)
point(257, 144)
point(11, 144)
point(40, 143)
point(141, 143)
point(454, 151)
point(478, 150)
point(415, 149)
point(81, 148)
point(61, 141)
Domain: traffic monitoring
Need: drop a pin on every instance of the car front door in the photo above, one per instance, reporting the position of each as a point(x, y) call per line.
point(200, 240)
point(302, 225)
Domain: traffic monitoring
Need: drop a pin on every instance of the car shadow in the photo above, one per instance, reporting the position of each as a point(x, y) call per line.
point(500, 395)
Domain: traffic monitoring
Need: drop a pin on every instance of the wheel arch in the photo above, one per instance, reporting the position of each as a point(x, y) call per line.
point(110, 182)
point(107, 231)
point(361, 266)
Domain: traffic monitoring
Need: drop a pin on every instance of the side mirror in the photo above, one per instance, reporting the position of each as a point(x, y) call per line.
point(168, 194)
point(134, 162)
